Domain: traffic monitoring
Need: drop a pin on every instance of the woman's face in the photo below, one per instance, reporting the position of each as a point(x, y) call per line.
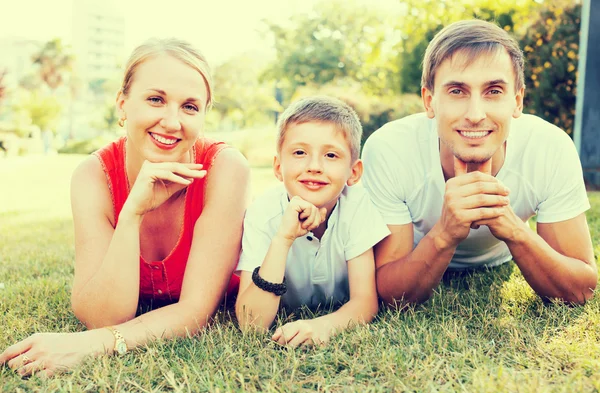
point(165, 109)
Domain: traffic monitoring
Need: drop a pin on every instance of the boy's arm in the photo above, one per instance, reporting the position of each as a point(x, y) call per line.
point(361, 308)
point(257, 307)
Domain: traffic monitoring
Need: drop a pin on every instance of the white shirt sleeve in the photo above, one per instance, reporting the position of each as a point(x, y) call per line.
point(381, 179)
point(255, 244)
point(365, 229)
point(565, 195)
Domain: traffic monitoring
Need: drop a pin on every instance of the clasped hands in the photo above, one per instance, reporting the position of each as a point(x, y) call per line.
point(475, 199)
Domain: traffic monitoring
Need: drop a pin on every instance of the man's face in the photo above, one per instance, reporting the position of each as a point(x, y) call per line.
point(473, 105)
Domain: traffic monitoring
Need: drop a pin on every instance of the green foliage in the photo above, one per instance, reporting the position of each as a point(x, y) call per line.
point(335, 42)
point(551, 48)
point(39, 108)
point(240, 99)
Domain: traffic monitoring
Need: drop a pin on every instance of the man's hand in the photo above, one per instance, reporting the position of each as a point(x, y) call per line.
point(470, 198)
point(304, 332)
point(507, 226)
point(299, 218)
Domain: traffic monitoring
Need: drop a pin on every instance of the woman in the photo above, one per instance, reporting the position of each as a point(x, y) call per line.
point(158, 218)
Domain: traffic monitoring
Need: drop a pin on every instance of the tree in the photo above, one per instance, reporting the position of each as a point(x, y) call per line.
point(551, 47)
point(335, 43)
point(54, 63)
point(39, 108)
point(240, 98)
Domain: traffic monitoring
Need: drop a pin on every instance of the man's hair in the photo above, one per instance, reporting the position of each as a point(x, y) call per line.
point(323, 109)
point(474, 38)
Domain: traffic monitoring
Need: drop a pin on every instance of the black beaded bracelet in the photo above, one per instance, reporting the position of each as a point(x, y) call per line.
point(274, 288)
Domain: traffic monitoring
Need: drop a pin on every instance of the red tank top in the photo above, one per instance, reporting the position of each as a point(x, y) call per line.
point(160, 281)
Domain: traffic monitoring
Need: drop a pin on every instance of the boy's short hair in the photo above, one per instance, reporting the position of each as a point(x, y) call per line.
point(323, 109)
point(475, 37)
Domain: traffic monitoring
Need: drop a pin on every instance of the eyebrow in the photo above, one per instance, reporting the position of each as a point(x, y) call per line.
point(487, 84)
point(162, 92)
point(328, 146)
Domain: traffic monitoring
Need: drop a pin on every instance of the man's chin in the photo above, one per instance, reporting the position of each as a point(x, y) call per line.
point(475, 159)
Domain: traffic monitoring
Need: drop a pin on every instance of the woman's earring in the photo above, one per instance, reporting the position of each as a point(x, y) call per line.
point(122, 122)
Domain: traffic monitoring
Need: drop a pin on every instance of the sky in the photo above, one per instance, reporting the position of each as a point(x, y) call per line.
point(220, 28)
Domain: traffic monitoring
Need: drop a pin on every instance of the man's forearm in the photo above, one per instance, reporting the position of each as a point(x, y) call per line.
point(411, 279)
point(549, 273)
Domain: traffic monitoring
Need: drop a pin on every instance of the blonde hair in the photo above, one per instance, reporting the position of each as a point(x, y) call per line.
point(179, 49)
point(323, 109)
point(475, 37)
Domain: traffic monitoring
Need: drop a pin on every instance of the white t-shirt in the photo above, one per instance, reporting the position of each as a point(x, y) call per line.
point(316, 271)
point(403, 174)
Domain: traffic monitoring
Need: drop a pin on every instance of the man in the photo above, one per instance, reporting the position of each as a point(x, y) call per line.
point(457, 184)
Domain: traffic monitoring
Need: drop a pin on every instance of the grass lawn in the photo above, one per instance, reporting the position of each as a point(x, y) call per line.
point(481, 332)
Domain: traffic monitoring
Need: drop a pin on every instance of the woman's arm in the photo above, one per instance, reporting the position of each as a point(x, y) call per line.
point(214, 253)
point(106, 285)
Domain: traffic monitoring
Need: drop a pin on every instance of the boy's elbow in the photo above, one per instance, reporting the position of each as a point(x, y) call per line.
point(248, 322)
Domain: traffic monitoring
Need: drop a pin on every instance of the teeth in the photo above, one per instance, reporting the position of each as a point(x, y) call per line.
point(163, 140)
point(474, 134)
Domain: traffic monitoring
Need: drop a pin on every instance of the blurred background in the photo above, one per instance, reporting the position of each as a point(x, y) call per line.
point(62, 61)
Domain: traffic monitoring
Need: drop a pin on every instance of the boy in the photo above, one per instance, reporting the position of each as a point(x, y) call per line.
point(310, 241)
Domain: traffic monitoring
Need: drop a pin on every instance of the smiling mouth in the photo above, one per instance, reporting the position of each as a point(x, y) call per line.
point(313, 184)
point(163, 140)
point(474, 134)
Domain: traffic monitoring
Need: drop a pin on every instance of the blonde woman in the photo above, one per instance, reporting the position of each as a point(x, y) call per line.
point(158, 218)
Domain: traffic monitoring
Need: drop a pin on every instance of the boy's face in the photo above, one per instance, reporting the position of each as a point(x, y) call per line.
point(474, 105)
point(315, 163)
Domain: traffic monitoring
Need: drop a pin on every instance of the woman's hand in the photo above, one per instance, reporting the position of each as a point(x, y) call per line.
point(48, 353)
point(157, 182)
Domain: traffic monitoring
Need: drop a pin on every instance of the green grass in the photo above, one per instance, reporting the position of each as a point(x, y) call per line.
point(481, 332)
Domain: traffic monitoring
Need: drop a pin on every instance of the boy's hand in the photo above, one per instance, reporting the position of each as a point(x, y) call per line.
point(299, 218)
point(303, 332)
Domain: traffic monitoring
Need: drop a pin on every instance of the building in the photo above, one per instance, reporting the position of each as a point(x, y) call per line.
point(98, 39)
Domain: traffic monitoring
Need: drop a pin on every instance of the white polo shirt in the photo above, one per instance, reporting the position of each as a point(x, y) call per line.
point(316, 270)
point(403, 174)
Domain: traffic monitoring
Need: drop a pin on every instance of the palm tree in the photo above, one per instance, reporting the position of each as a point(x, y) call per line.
point(55, 62)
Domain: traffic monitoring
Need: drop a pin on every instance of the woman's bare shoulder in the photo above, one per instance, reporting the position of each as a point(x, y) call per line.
point(89, 186)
